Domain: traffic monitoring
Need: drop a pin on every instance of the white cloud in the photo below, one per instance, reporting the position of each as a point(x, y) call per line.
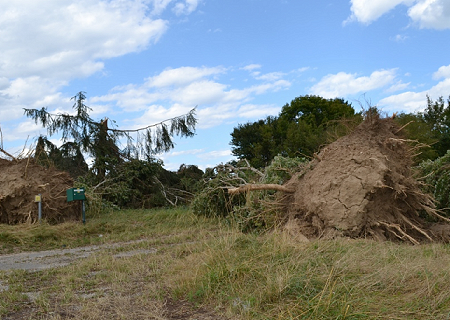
point(301, 70)
point(399, 38)
point(406, 101)
point(398, 86)
point(182, 76)
point(416, 101)
point(176, 91)
point(367, 11)
point(251, 67)
point(65, 35)
point(45, 44)
point(342, 84)
point(256, 111)
point(216, 154)
point(159, 6)
point(443, 72)
point(185, 152)
point(272, 76)
point(433, 14)
point(186, 7)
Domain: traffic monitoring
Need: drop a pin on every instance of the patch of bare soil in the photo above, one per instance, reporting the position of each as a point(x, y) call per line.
point(362, 186)
point(22, 180)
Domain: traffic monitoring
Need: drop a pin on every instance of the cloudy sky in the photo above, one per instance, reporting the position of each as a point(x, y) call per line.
point(143, 61)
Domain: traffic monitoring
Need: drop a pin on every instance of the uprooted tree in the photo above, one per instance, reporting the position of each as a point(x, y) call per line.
point(360, 186)
point(133, 168)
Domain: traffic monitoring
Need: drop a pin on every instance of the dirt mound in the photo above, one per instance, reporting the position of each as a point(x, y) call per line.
point(362, 186)
point(22, 180)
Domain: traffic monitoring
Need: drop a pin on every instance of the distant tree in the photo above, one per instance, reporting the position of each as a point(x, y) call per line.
point(430, 127)
point(417, 129)
point(300, 129)
point(437, 116)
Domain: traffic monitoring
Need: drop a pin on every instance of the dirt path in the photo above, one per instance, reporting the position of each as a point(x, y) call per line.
point(36, 261)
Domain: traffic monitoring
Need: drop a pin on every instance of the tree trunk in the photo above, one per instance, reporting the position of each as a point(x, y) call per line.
point(254, 187)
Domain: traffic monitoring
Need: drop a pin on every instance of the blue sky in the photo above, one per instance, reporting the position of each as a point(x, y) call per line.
point(143, 61)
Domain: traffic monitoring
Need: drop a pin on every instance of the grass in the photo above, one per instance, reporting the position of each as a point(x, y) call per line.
point(114, 226)
point(202, 267)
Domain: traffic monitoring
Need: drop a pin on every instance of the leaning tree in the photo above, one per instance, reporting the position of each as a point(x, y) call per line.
point(101, 139)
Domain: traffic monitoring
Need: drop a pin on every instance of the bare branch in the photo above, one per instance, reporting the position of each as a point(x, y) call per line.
point(8, 154)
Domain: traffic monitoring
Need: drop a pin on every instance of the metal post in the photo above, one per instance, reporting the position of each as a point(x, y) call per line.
point(40, 208)
point(83, 210)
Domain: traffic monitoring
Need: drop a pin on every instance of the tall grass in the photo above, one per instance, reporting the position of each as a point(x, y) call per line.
point(272, 277)
point(218, 268)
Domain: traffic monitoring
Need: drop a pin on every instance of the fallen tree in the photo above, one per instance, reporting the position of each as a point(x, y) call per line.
point(360, 186)
point(255, 187)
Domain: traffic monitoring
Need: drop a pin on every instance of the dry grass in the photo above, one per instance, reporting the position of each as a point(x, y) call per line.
point(273, 277)
point(202, 270)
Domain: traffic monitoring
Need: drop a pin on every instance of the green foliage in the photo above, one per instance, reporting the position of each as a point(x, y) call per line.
point(430, 127)
point(214, 200)
point(139, 184)
point(255, 211)
point(281, 169)
point(416, 128)
point(301, 128)
point(437, 115)
point(68, 157)
point(436, 175)
point(190, 178)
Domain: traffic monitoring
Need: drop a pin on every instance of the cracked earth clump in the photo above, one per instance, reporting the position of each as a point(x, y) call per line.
point(362, 185)
point(21, 180)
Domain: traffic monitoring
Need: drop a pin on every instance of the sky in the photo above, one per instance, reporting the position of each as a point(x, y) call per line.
point(236, 61)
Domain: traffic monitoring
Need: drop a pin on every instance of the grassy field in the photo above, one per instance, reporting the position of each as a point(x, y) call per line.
point(197, 268)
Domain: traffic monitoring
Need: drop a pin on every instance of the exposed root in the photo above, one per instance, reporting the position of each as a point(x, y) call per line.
point(414, 226)
point(399, 229)
point(396, 132)
point(434, 213)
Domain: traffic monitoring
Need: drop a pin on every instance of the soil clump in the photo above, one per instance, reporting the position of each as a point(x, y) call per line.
point(21, 180)
point(362, 186)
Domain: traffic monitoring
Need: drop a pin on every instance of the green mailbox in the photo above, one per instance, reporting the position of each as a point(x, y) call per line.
point(75, 194)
